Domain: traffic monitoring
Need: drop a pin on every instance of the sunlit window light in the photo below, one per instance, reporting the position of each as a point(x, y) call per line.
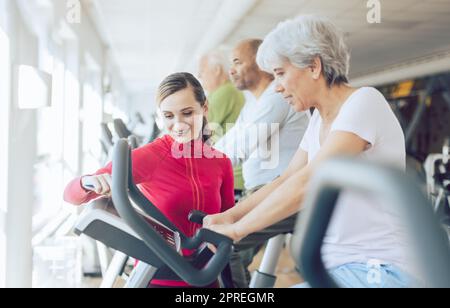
point(71, 121)
point(34, 88)
point(48, 168)
point(92, 117)
point(4, 110)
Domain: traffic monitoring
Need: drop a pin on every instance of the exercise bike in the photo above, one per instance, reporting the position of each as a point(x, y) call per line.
point(431, 246)
point(136, 228)
point(437, 167)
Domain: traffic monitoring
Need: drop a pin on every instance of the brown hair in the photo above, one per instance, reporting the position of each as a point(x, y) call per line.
point(180, 81)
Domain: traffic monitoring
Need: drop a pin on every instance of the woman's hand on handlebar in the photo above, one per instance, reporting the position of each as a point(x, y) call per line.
point(228, 230)
point(100, 184)
point(217, 219)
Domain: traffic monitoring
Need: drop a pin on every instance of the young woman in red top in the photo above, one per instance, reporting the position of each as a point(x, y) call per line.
point(179, 172)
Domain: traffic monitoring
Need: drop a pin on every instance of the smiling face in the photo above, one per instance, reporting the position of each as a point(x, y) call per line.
point(183, 115)
point(297, 85)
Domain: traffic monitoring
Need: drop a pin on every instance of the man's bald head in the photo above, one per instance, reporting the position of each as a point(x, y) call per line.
point(249, 46)
point(244, 71)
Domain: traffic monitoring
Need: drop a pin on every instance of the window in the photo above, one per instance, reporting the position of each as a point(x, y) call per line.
point(4, 124)
point(57, 134)
point(92, 117)
point(71, 110)
point(48, 168)
point(34, 88)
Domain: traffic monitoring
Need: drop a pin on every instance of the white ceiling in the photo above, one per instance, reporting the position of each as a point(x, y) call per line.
point(148, 39)
point(409, 28)
point(152, 38)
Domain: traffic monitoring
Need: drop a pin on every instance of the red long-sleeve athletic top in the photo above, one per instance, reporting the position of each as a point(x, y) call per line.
point(177, 178)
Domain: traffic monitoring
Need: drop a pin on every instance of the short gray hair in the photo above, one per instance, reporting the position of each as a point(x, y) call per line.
point(300, 41)
point(218, 57)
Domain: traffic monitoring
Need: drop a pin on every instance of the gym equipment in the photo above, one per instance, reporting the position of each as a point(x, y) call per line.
point(437, 168)
point(107, 259)
point(103, 211)
point(102, 255)
point(432, 247)
point(265, 276)
point(111, 263)
point(422, 108)
point(128, 230)
point(133, 141)
point(155, 129)
point(106, 139)
point(121, 129)
point(136, 120)
point(141, 134)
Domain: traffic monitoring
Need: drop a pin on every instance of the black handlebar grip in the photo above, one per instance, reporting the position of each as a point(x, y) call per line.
point(197, 216)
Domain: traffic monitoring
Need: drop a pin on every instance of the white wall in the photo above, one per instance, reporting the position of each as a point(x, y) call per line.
point(4, 130)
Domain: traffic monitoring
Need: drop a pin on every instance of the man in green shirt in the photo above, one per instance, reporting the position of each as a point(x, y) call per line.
point(225, 101)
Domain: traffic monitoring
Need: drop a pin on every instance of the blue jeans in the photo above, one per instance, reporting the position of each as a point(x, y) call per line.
point(359, 275)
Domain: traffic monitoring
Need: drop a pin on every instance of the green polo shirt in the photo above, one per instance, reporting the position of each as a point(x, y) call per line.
point(225, 105)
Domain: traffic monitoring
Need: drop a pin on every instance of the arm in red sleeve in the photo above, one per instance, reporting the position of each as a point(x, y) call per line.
point(227, 189)
point(77, 195)
point(145, 161)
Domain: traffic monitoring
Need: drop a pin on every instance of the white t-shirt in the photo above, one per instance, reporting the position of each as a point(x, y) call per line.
point(362, 230)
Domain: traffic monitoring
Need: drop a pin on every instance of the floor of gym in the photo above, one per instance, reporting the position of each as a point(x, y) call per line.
point(287, 276)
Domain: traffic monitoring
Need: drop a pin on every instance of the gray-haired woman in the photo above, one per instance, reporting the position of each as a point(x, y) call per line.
point(310, 61)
